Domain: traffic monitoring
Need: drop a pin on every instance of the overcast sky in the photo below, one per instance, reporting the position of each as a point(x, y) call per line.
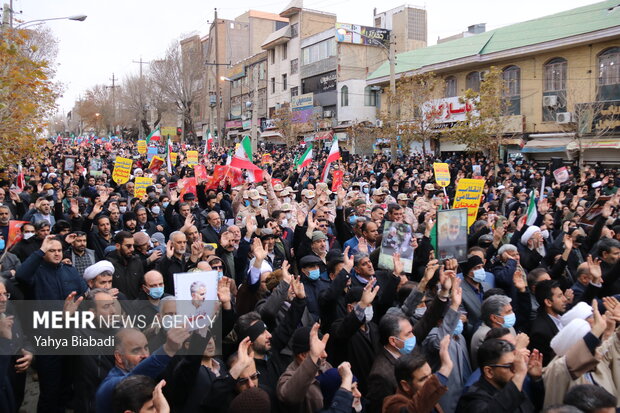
point(118, 32)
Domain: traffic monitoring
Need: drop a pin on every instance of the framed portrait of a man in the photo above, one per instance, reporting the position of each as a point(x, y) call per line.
point(452, 234)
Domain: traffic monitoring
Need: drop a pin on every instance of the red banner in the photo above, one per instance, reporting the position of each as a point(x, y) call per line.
point(200, 172)
point(186, 186)
point(337, 179)
point(15, 233)
point(225, 173)
point(156, 164)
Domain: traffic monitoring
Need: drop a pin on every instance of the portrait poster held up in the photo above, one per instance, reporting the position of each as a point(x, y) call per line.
point(468, 195)
point(452, 234)
point(397, 238)
point(196, 296)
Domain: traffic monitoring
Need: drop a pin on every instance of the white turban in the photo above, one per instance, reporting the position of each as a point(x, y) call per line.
point(98, 268)
point(528, 234)
point(568, 336)
point(581, 310)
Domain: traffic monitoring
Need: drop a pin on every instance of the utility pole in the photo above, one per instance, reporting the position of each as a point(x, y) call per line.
point(391, 58)
point(114, 86)
point(142, 111)
point(254, 108)
point(218, 107)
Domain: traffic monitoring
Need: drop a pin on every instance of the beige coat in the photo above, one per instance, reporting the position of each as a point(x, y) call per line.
point(569, 370)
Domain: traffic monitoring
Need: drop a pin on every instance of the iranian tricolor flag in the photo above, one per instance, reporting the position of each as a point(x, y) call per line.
point(532, 210)
point(21, 180)
point(168, 151)
point(306, 158)
point(155, 136)
point(209, 142)
point(334, 155)
point(242, 158)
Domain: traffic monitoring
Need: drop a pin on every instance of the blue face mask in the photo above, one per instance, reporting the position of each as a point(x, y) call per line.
point(352, 219)
point(408, 347)
point(479, 275)
point(314, 274)
point(220, 275)
point(509, 320)
point(2, 245)
point(458, 329)
point(247, 202)
point(165, 204)
point(156, 292)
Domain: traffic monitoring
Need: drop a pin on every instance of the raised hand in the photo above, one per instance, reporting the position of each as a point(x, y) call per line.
point(169, 249)
point(523, 340)
point(48, 242)
point(348, 260)
point(317, 346)
point(535, 364)
point(258, 250)
point(612, 305)
point(456, 294)
point(223, 292)
point(250, 226)
point(286, 275)
point(346, 375)
point(175, 337)
point(600, 322)
point(298, 288)
point(594, 267)
point(362, 246)
point(71, 304)
point(369, 293)
point(159, 401)
point(519, 281)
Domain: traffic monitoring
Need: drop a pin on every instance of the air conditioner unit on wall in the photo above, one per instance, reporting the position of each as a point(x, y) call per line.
point(564, 117)
point(328, 114)
point(550, 101)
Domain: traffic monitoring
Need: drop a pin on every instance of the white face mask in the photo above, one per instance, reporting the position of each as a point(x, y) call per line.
point(289, 215)
point(122, 209)
point(285, 222)
point(256, 203)
point(28, 235)
point(368, 312)
point(286, 200)
point(155, 210)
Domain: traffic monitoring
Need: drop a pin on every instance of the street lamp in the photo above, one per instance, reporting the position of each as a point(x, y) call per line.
point(77, 17)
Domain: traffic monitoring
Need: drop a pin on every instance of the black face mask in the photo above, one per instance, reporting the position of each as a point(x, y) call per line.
point(581, 239)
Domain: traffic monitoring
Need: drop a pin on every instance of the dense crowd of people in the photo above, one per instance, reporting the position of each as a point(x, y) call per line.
point(526, 322)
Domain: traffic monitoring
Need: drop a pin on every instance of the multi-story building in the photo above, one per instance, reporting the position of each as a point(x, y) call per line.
point(241, 84)
point(237, 40)
point(407, 24)
point(554, 68)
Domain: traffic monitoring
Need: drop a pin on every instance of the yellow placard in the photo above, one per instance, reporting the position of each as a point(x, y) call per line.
point(442, 174)
point(192, 157)
point(468, 193)
point(141, 184)
point(141, 147)
point(122, 170)
point(173, 158)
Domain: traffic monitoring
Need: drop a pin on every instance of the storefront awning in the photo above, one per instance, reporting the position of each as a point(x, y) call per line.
point(596, 144)
point(270, 134)
point(546, 145)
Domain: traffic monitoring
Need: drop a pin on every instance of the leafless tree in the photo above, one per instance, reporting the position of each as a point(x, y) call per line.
point(178, 76)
